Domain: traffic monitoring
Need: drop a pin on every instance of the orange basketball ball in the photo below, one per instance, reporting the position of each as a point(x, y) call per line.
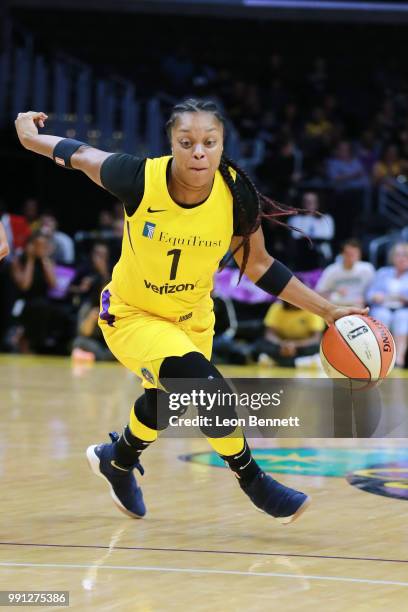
point(357, 347)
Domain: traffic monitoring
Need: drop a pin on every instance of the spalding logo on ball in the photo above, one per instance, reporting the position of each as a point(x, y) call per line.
point(358, 347)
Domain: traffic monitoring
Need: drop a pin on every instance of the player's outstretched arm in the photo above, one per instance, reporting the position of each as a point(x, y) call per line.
point(4, 247)
point(272, 276)
point(86, 158)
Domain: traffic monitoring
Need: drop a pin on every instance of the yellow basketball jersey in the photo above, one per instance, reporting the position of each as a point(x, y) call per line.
point(170, 253)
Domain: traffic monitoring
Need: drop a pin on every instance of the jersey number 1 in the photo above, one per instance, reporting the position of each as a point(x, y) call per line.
point(176, 258)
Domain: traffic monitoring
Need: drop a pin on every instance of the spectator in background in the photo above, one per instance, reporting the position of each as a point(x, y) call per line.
point(117, 210)
point(275, 68)
point(267, 128)
point(250, 112)
point(4, 246)
point(16, 229)
point(403, 143)
point(346, 281)
point(105, 220)
point(289, 161)
point(388, 167)
point(92, 276)
point(89, 344)
point(290, 333)
point(344, 170)
point(318, 77)
point(31, 213)
point(330, 108)
point(236, 100)
point(290, 122)
point(388, 297)
point(283, 170)
point(316, 142)
point(277, 95)
point(205, 76)
point(116, 239)
point(319, 228)
point(46, 327)
point(63, 250)
point(33, 271)
point(367, 151)
point(117, 227)
point(178, 70)
point(385, 121)
point(318, 127)
point(226, 349)
point(350, 184)
point(6, 284)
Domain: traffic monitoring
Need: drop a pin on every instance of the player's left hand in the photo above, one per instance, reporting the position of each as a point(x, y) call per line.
point(336, 312)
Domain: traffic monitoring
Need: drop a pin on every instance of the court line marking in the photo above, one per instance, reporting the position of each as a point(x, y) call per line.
point(199, 550)
point(195, 570)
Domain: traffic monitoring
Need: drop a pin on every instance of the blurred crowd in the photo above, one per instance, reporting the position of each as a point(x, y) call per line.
point(254, 330)
point(314, 125)
point(50, 284)
point(312, 134)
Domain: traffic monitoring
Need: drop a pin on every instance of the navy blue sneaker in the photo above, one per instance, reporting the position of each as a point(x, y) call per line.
point(268, 495)
point(124, 489)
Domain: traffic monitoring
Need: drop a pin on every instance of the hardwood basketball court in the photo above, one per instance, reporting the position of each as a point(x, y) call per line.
point(202, 546)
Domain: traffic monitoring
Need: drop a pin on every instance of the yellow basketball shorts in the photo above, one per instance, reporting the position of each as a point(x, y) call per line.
point(141, 340)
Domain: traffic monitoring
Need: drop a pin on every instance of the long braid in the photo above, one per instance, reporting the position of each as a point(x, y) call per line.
point(249, 212)
point(248, 219)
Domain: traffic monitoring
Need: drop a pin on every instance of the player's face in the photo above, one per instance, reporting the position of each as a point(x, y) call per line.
point(197, 143)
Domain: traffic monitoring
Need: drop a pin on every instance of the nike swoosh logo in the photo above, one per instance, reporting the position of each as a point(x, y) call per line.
point(118, 467)
point(150, 210)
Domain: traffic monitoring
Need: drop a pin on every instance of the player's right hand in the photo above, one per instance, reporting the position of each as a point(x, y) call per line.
point(27, 124)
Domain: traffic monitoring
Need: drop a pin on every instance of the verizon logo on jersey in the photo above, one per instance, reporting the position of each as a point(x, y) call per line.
point(166, 288)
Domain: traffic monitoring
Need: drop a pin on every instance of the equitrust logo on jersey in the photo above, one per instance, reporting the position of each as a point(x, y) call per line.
point(191, 240)
point(148, 230)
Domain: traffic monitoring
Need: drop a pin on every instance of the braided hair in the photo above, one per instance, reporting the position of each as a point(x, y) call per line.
point(249, 213)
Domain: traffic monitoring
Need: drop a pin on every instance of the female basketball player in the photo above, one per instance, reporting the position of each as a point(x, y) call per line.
point(4, 247)
point(182, 214)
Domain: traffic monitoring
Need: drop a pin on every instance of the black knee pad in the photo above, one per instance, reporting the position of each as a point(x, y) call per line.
point(193, 372)
point(145, 409)
point(190, 365)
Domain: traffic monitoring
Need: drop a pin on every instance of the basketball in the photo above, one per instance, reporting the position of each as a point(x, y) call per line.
point(357, 347)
